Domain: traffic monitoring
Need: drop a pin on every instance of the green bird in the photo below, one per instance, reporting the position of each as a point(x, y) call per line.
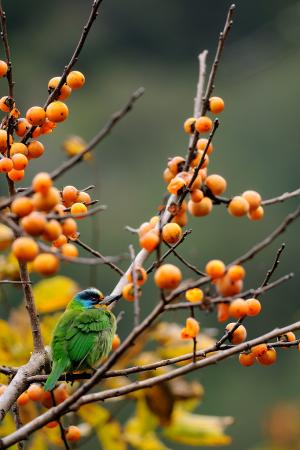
point(82, 336)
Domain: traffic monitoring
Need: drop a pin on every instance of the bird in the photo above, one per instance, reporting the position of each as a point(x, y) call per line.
point(82, 336)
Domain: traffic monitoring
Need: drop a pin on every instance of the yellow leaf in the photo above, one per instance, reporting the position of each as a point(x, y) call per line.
point(111, 437)
point(74, 145)
point(197, 430)
point(94, 415)
point(38, 442)
point(54, 293)
point(7, 426)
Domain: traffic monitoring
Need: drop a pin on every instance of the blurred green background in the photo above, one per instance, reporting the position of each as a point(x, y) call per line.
point(155, 44)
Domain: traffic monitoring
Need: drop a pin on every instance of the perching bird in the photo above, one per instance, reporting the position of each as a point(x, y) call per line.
point(82, 336)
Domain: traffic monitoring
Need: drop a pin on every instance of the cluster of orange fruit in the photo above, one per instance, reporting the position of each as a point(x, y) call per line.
point(14, 156)
point(36, 218)
point(263, 353)
point(36, 393)
point(205, 188)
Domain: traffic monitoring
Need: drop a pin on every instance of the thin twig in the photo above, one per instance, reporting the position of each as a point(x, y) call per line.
point(137, 310)
point(220, 299)
point(61, 427)
point(100, 256)
point(55, 93)
point(4, 36)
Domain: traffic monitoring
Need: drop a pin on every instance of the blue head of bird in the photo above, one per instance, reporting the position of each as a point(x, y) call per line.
point(87, 299)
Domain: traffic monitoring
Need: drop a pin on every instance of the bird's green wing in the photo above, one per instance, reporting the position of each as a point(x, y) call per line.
point(89, 333)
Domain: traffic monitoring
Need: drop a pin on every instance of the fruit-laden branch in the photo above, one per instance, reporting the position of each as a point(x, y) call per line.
point(290, 218)
point(55, 93)
point(215, 300)
point(57, 411)
point(270, 201)
point(45, 248)
point(67, 165)
point(4, 37)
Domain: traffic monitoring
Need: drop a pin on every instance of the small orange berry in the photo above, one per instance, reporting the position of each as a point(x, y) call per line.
point(36, 132)
point(46, 202)
point(61, 240)
point(227, 288)
point(222, 311)
point(149, 240)
point(65, 90)
point(216, 184)
point(256, 214)
point(3, 68)
point(167, 175)
point(184, 334)
point(189, 125)
point(216, 105)
point(69, 250)
point(215, 268)
point(6, 165)
point(128, 292)
point(192, 326)
point(239, 335)
point(6, 103)
point(202, 144)
point(199, 158)
point(247, 359)
point(16, 175)
point(42, 183)
point(253, 198)
point(69, 227)
point(268, 358)
point(141, 276)
point(238, 308)
point(73, 433)
point(35, 392)
point(200, 209)
point(238, 206)
point(36, 115)
point(22, 127)
point(176, 164)
point(171, 233)
point(84, 197)
point(154, 221)
point(23, 399)
point(57, 111)
point(52, 230)
point(46, 128)
point(52, 424)
point(22, 206)
point(18, 147)
point(180, 219)
point(20, 161)
point(35, 149)
point(78, 209)
point(25, 248)
point(197, 195)
point(253, 307)
point(46, 264)
point(194, 295)
point(69, 194)
point(175, 185)
point(236, 272)
point(3, 140)
point(259, 350)
point(287, 337)
point(116, 342)
point(203, 124)
point(34, 223)
point(75, 79)
point(167, 276)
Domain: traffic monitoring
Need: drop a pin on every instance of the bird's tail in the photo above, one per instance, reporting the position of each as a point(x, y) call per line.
point(57, 369)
